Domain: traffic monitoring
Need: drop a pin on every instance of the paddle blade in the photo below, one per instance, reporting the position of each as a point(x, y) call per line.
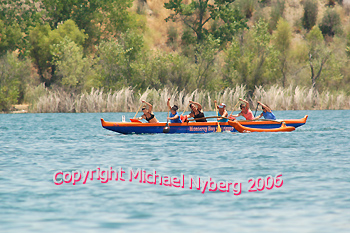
point(219, 128)
point(166, 129)
point(135, 120)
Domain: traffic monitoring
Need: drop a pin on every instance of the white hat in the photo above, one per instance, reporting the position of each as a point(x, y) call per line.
point(222, 105)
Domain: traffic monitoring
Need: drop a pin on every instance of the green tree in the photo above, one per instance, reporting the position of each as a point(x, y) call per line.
point(318, 54)
point(229, 22)
point(112, 65)
point(133, 43)
point(41, 39)
point(8, 85)
point(335, 76)
point(206, 53)
point(14, 75)
point(174, 71)
point(283, 37)
point(17, 17)
point(117, 60)
point(24, 13)
point(251, 59)
point(96, 17)
point(10, 37)
point(74, 71)
point(198, 13)
point(179, 72)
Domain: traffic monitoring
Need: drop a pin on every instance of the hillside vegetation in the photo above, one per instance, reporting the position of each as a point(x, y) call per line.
point(293, 54)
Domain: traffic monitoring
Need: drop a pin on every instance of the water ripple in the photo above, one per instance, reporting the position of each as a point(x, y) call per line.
point(314, 162)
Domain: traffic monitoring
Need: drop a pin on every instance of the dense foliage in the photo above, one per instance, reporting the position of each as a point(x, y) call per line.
point(76, 45)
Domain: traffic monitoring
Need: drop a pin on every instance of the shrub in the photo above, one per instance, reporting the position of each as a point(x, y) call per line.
point(330, 3)
point(331, 23)
point(248, 7)
point(276, 13)
point(264, 2)
point(346, 7)
point(172, 37)
point(310, 14)
point(347, 49)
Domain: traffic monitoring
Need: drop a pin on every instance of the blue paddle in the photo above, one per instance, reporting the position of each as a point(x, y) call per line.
point(166, 129)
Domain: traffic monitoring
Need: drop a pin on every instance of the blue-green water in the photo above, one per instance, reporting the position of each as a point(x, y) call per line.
point(314, 162)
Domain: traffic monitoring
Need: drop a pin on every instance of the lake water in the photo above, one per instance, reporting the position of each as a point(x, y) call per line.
point(314, 162)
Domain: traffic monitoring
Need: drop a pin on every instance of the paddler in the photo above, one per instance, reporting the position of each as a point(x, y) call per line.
point(245, 111)
point(267, 112)
point(174, 116)
point(196, 111)
point(222, 112)
point(148, 114)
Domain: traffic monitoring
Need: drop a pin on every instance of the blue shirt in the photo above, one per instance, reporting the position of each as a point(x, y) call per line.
point(223, 119)
point(269, 115)
point(177, 120)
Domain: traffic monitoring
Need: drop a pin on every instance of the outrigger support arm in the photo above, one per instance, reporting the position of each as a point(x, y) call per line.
point(209, 117)
point(232, 119)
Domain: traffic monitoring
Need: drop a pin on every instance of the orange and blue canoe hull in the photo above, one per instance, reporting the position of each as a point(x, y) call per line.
point(194, 127)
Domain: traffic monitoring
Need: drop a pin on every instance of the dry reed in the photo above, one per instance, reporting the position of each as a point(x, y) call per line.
point(127, 100)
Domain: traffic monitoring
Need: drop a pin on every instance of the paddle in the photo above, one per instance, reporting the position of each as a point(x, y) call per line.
point(181, 116)
point(166, 129)
point(136, 112)
point(217, 114)
point(234, 107)
point(185, 109)
point(135, 121)
point(256, 109)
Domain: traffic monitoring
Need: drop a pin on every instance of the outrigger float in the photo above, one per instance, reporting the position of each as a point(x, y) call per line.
point(242, 126)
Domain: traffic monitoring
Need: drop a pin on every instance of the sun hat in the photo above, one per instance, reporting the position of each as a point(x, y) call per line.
point(222, 105)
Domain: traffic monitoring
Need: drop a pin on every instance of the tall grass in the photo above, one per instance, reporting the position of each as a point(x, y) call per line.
point(300, 98)
point(127, 100)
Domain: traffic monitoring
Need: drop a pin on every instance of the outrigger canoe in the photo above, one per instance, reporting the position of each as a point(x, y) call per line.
point(204, 127)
